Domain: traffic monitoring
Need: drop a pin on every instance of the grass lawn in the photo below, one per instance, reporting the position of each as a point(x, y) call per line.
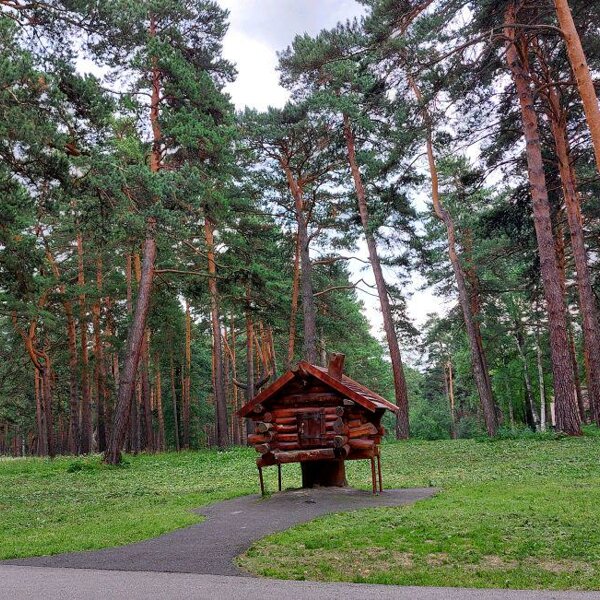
point(511, 513)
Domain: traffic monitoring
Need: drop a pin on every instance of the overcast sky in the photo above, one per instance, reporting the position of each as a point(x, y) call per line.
point(258, 30)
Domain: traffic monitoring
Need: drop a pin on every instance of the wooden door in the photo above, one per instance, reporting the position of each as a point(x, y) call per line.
point(311, 429)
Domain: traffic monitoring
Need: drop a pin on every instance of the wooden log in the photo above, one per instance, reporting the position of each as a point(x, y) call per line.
point(287, 437)
point(292, 412)
point(264, 427)
point(355, 423)
point(287, 428)
point(360, 444)
point(259, 438)
point(304, 455)
point(339, 441)
point(361, 454)
point(268, 417)
point(310, 398)
point(266, 460)
point(344, 451)
point(258, 409)
point(362, 431)
point(263, 448)
point(339, 411)
point(339, 426)
point(285, 420)
point(348, 402)
point(286, 446)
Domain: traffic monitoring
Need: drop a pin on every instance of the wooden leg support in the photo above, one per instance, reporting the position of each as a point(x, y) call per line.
point(262, 483)
point(379, 472)
point(279, 476)
point(373, 476)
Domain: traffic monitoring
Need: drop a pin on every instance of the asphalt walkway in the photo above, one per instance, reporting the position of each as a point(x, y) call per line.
point(229, 529)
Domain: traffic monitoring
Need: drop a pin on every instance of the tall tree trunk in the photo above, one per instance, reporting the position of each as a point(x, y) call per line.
point(73, 382)
point(237, 430)
point(99, 367)
point(42, 441)
point(133, 350)
point(146, 392)
point(136, 335)
point(294, 307)
point(479, 364)
point(567, 414)
point(219, 378)
point(582, 73)
point(587, 302)
point(73, 430)
point(561, 259)
point(160, 442)
point(86, 409)
point(309, 310)
point(531, 408)
point(401, 393)
point(449, 380)
point(249, 356)
point(174, 402)
point(186, 387)
point(541, 384)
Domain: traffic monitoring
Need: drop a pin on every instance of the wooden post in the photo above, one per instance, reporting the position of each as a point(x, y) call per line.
point(279, 476)
point(262, 483)
point(379, 471)
point(373, 477)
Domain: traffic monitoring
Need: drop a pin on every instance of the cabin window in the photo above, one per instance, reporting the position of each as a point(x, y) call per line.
point(311, 428)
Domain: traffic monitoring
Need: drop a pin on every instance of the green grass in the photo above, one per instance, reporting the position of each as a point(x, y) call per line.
point(520, 513)
point(511, 513)
point(68, 504)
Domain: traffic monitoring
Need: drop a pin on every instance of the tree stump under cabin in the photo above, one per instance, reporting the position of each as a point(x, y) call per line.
point(324, 473)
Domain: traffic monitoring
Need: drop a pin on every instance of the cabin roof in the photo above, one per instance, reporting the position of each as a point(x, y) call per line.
point(345, 386)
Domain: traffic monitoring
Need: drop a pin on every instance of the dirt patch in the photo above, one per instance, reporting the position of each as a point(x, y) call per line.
point(438, 559)
point(561, 566)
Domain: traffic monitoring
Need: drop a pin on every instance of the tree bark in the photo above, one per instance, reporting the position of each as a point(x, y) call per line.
point(133, 350)
point(308, 301)
point(401, 393)
point(567, 414)
point(174, 403)
point(249, 357)
point(582, 73)
point(541, 384)
point(519, 339)
point(86, 409)
point(160, 442)
point(479, 364)
point(99, 367)
point(237, 429)
point(451, 402)
point(186, 387)
point(218, 375)
point(587, 301)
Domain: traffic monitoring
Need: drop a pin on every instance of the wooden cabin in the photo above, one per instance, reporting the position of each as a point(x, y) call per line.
point(319, 418)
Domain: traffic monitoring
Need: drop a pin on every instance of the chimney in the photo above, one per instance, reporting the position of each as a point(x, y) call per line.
point(336, 365)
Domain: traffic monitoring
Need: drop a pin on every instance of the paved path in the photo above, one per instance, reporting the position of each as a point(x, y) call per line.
point(229, 529)
point(33, 583)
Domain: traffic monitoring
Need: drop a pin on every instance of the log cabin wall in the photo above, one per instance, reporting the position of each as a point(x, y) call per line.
point(308, 418)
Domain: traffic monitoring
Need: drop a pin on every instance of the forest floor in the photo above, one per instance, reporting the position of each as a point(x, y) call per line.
point(511, 513)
